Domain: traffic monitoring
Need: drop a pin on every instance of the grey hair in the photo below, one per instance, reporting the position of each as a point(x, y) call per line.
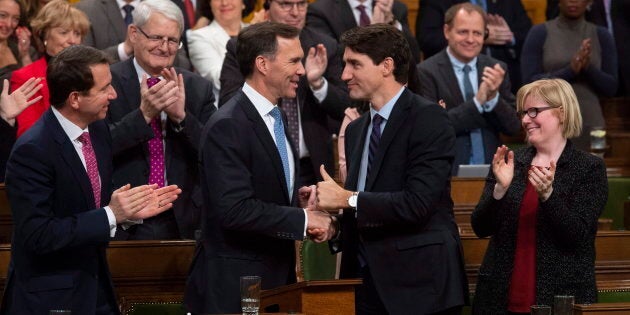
point(144, 9)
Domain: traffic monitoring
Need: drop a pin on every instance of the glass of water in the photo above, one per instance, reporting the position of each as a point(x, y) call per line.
point(250, 295)
point(563, 305)
point(540, 310)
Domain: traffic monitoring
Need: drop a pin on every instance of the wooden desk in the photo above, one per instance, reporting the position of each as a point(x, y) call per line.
point(321, 297)
point(602, 309)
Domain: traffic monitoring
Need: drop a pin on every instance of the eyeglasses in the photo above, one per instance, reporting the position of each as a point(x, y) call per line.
point(288, 5)
point(160, 40)
point(533, 111)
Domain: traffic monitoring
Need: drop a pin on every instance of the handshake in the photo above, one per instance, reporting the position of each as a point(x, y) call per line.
point(318, 200)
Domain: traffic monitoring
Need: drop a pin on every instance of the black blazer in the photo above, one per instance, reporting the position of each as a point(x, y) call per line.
point(7, 139)
point(59, 240)
point(438, 81)
point(430, 31)
point(405, 215)
point(566, 225)
point(334, 17)
point(249, 225)
point(314, 115)
point(131, 133)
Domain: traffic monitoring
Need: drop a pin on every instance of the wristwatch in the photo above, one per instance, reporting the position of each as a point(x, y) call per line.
point(352, 200)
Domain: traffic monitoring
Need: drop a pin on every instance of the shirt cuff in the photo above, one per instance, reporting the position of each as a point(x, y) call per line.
point(111, 218)
point(305, 222)
point(121, 52)
point(321, 94)
point(491, 104)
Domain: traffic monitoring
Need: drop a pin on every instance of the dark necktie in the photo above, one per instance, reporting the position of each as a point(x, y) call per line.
point(128, 16)
point(156, 147)
point(375, 138)
point(278, 131)
point(91, 166)
point(190, 12)
point(476, 139)
point(364, 20)
point(289, 106)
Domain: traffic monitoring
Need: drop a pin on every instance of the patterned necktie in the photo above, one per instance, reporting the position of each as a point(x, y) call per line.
point(156, 146)
point(289, 106)
point(91, 167)
point(278, 131)
point(477, 155)
point(128, 16)
point(375, 138)
point(364, 19)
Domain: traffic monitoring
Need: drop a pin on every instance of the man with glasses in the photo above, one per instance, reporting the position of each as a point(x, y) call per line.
point(157, 119)
point(474, 86)
point(321, 93)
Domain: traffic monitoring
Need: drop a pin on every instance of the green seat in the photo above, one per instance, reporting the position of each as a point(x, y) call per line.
point(618, 193)
point(613, 296)
point(317, 261)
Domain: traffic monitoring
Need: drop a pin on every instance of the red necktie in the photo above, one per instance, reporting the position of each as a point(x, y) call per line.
point(190, 12)
point(91, 166)
point(156, 147)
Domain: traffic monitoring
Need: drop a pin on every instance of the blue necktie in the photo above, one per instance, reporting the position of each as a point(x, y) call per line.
point(128, 17)
point(278, 131)
point(375, 138)
point(476, 139)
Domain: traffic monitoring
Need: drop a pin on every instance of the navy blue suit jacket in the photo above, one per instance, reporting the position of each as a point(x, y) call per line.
point(59, 241)
point(249, 225)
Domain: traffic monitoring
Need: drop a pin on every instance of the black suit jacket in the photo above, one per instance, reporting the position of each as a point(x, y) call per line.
point(314, 115)
point(438, 82)
point(249, 226)
point(334, 17)
point(405, 213)
point(620, 16)
point(430, 30)
point(131, 133)
point(7, 139)
point(59, 240)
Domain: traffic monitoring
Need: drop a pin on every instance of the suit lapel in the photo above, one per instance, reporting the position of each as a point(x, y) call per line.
point(265, 139)
point(356, 153)
point(449, 78)
point(70, 156)
point(131, 95)
point(115, 18)
point(394, 123)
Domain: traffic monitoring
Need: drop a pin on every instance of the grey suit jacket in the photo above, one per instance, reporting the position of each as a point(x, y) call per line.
point(107, 28)
point(438, 82)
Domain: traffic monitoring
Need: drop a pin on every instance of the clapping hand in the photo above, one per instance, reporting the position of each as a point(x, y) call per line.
point(542, 179)
point(503, 170)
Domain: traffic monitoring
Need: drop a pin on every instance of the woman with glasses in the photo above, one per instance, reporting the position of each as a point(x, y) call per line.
point(570, 48)
point(540, 207)
point(206, 45)
point(57, 25)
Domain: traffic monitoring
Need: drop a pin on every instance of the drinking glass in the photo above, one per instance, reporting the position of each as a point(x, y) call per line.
point(250, 295)
point(563, 305)
point(598, 141)
point(540, 309)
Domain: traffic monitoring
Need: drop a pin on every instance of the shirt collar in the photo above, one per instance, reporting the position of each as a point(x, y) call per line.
point(458, 65)
point(354, 3)
point(386, 110)
point(262, 104)
point(72, 131)
point(141, 71)
point(133, 3)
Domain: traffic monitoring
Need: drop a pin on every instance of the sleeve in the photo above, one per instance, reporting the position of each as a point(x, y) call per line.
point(605, 79)
point(484, 219)
point(203, 103)
point(532, 58)
point(430, 27)
point(206, 54)
point(316, 19)
point(231, 79)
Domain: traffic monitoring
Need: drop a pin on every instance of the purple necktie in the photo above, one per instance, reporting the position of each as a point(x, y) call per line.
point(156, 146)
point(289, 106)
point(91, 166)
point(364, 20)
point(375, 138)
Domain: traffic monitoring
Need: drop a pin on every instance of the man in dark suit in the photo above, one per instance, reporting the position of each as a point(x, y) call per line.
point(109, 20)
point(398, 230)
point(334, 17)
point(249, 181)
point(506, 32)
point(615, 16)
point(321, 94)
point(155, 131)
point(59, 186)
point(475, 87)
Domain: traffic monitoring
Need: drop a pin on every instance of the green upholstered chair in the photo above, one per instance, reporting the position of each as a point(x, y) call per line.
point(317, 262)
point(618, 193)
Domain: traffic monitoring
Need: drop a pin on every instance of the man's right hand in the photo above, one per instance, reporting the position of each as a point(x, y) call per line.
point(153, 100)
point(142, 202)
point(320, 225)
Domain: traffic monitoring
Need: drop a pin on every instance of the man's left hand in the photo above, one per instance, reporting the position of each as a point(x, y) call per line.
point(315, 66)
point(176, 112)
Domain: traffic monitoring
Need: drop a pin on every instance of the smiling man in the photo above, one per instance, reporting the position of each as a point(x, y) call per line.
point(475, 87)
point(253, 212)
point(156, 121)
point(397, 227)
